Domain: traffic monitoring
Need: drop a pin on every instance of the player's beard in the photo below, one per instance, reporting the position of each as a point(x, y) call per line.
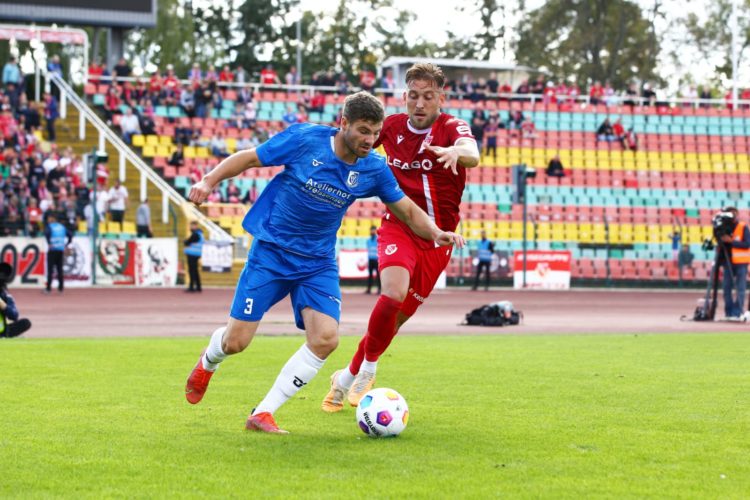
point(354, 146)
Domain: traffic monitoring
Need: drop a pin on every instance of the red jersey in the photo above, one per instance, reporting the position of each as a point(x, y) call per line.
point(435, 189)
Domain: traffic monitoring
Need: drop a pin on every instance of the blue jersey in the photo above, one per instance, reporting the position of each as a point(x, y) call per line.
point(301, 208)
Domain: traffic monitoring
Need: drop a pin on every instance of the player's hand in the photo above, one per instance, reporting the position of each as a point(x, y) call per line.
point(199, 191)
point(726, 238)
point(447, 156)
point(447, 238)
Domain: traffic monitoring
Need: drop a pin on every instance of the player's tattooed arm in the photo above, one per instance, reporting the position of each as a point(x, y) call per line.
point(229, 167)
point(419, 222)
point(464, 153)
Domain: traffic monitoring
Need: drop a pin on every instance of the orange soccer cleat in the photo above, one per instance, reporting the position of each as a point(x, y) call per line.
point(334, 400)
point(263, 422)
point(197, 382)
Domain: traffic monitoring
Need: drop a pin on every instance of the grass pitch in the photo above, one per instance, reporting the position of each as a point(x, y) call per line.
point(510, 416)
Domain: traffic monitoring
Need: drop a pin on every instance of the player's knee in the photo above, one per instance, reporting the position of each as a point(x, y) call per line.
point(234, 344)
point(324, 344)
point(396, 293)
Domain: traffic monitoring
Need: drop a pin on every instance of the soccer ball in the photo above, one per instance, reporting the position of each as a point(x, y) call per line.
point(382, 413)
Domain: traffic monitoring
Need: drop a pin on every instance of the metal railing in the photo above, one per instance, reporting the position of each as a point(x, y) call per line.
point(127, 154)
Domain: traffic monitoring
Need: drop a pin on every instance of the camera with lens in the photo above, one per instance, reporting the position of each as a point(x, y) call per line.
point(723, 224)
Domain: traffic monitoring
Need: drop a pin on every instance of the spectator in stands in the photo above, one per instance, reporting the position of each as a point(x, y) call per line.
point(561, 93)
point(112, 103)
point(146, 120)
point(117, 201)
point(596, 93)
point(211, 74)
point(343, 86)
point(735, 271)
point(605, 132)
point(247, 142)
point(50, 115)
point(387, 82)
point(96, 71)
point(219, 145)
point(493, 85)
point(317, 102)
point(226, 75)
point(233, 192)
point(187, 101)
point(251, 194)
point(10, 323)
point(122, 69)
point(143, 220)
point(195, 75)
point(684, 259)
point(631, 95)
point(12, 76)
point(291, 117)
point(241, 75)
point(250, 115)
point(610, 96)
point(34, 217)
point(268, 76)
point(178, 157)
point(477, 125)
point(245, 95)
point(630, 141)
point(704, 93)
point(528, 129)
point(619, 131)
point(676, 238)
point(292, 78)
point(129, 126)
point(515, 120)
point(485, 250)
point(648, 94)
point(367, 80)
point(555, 167)
point(538, 86)
point(55, 67)
point(549, 96)
point(691, 95)
point(491, 133)
point(523, 87)
point(204, 97)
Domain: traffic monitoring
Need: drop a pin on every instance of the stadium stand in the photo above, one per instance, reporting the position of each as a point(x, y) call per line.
point(616, 210)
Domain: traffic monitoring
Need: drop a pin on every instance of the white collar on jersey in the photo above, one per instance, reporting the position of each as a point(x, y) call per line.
point(416, 130)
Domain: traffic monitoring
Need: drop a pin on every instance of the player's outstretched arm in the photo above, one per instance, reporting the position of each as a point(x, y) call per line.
point(419, 222)
point(229, 167)
point(464, 153)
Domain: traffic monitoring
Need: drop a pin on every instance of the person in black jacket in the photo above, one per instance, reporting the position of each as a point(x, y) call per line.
point(10, 324)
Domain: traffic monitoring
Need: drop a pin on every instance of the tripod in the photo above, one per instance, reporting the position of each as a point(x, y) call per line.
point(712, 289)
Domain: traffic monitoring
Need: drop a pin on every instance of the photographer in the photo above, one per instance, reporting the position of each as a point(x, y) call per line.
point(10, 324)
point(737, 243)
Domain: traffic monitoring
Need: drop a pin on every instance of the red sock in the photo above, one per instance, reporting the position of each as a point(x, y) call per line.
point(380, 332)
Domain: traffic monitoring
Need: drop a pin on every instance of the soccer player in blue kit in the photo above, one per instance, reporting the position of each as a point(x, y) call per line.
point(294, 222)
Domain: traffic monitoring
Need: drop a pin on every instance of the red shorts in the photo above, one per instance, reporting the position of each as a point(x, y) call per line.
point(398, 248)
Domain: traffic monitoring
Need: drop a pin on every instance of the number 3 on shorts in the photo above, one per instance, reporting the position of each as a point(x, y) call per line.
point(248, 306)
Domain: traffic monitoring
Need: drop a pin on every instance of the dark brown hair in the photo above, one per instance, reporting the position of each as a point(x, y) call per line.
point(363, 106)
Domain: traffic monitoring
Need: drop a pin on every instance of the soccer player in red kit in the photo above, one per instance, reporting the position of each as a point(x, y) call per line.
point(428, 152)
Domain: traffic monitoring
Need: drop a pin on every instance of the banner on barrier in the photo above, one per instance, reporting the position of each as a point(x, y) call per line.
point(353, 263)
point(115, 261)
point(156, 262)
point(544, 269)
point(217, 256)
point(28, 257)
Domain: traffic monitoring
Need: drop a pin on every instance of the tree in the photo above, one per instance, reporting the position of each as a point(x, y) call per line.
point(172, 41)
point(263, 33)
point(496, 17)
point(586, 40)
point(713, 37)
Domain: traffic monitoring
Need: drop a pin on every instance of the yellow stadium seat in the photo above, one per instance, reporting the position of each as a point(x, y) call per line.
point(138, 140)
point(163, 151)
point(148, 151)
point(203, 152)
point(114, 227)
point(83, 227)
point(128, 227)
point(189, 152)
point(165, 140)
point(152, 140)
